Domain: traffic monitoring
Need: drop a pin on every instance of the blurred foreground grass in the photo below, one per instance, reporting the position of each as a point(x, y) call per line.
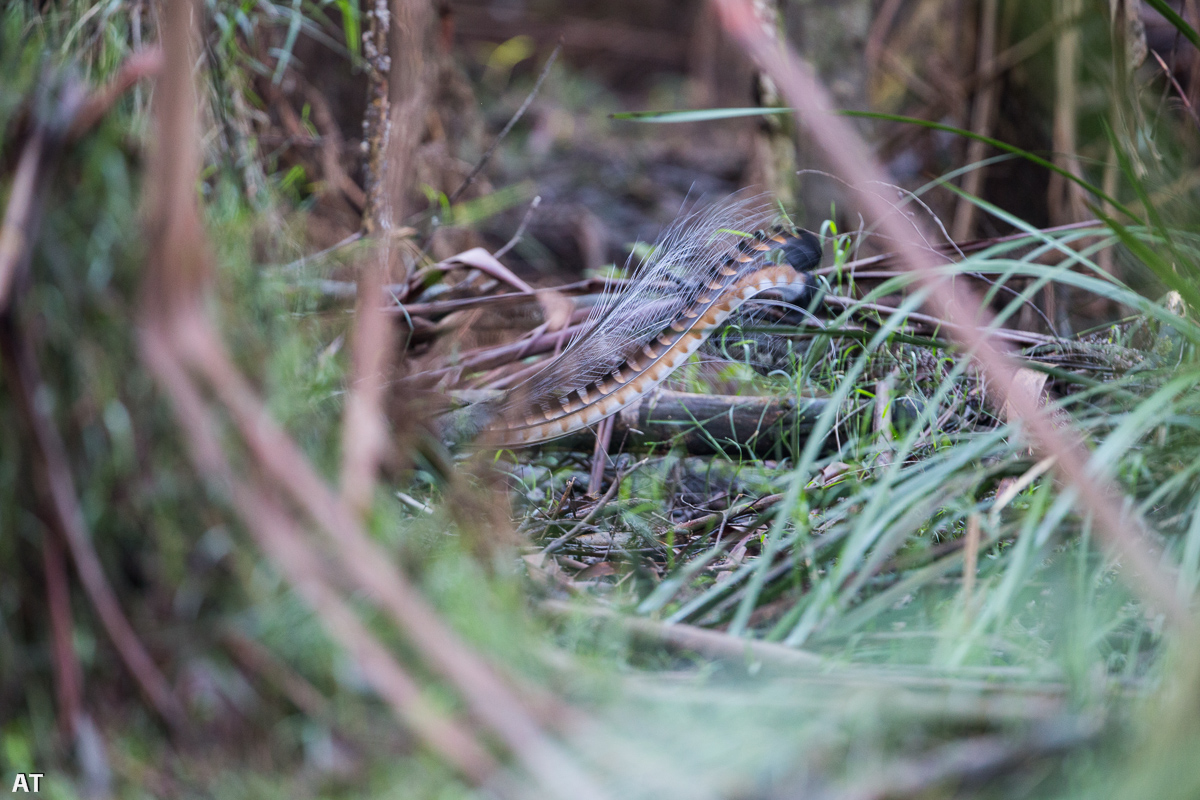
point(1047, 679)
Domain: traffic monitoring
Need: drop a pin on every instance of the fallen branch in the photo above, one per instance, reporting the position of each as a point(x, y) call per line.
point(971, 762)
point(702, 424)
point(1027, 338)
point(713, 644)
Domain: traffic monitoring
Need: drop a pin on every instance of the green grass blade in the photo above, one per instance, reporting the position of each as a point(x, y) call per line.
point(999, 145)
point(1164, 271)
point(698, 115)
point(1172, 16)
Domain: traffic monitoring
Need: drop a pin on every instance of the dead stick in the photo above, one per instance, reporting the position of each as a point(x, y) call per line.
point(600, 455)
point(1179, 89)
point(579, 526)
point(21, 214)
point(689, 637)
point(68, 675)
point(758, 506)
point(516, 237)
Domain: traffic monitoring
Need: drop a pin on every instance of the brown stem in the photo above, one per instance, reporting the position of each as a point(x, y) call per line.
point(600, 455)
point(982, 112)
point(688, 637)
point(399, 32)
point(68, 675)
point(52, 472)
point(21, 215)
point(378, 113)
point(364, 427)
point(142, 64)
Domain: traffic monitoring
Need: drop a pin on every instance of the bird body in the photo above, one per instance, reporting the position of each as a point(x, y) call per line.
point(702, 272)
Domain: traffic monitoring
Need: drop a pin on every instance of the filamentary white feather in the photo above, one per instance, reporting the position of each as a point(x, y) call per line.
point(683, 285)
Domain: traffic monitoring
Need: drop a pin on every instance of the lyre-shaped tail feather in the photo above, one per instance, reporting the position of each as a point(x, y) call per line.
point(701, 272)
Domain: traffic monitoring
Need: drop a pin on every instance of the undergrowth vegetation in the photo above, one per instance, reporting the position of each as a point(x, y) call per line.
point(887, 593)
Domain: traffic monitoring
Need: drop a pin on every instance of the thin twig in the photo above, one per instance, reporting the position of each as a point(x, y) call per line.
point(299, 263)
point(1182, 94)
point(21, 214)
point(601, 503)
point(600, 455)
point(474, 173)
point(689, 637)
point(516, 237)
point(758, 506)
point(68, 675)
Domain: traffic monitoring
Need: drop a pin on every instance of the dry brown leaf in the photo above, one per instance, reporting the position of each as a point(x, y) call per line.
point(485, 262)
point(1028, 384)
point(597, 570)
point(831, 473)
